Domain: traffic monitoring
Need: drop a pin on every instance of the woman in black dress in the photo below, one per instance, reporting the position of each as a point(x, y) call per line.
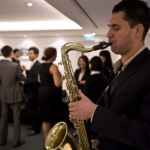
point(50, 92)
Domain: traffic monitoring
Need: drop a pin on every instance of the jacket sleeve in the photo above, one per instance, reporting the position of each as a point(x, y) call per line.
point(86, 88)
point(19, 74)
point(32, 75)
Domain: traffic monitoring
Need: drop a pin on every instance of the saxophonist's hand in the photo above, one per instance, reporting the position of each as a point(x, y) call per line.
point(82, 109)
point(95, 144)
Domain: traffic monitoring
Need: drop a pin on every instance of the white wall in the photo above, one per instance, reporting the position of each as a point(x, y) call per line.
point(57, 42)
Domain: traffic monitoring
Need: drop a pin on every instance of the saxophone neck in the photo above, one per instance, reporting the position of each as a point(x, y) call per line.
point(78, 47)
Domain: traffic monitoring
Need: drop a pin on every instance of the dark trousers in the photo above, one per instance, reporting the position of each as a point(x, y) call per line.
point(33, 108)
point(4, 122)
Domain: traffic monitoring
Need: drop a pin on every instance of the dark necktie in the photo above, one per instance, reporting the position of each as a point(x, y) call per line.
point(111, 86)
point(114, 81)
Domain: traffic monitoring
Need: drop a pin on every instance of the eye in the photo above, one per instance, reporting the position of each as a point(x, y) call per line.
point(116, 28)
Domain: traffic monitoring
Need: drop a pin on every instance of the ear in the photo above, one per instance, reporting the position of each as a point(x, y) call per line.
point(11, 55)
point(139, 29)
point(36, 55)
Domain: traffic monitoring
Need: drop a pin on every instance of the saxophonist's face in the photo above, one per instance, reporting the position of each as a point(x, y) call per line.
point(82, 63)
point(120, 34)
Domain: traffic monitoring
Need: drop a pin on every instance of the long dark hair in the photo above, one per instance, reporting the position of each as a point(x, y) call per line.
point(108, 61)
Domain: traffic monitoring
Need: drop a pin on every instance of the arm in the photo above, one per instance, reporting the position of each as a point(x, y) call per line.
point(32, 74)
point(86, 88)
point(132, 130)
point(19, 74)
point(56, 75)
point(39, 80)
point(85, 76)
point(82, 82)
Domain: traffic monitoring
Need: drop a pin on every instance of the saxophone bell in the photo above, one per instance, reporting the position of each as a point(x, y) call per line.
point(101, 45)
point(59, 139)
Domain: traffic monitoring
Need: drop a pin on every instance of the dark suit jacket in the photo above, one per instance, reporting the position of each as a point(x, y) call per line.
point(124, 121)
point(10, 77)
point(77, 72)
point(16, 61)
point(31, 85)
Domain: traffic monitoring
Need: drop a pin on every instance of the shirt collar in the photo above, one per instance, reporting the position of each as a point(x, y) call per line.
point(7, 59)
point(95, 72)
point(34, 61)
point(15, 57)
point(119, 64)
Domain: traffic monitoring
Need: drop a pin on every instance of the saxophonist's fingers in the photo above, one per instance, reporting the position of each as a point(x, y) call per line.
point(83, 97)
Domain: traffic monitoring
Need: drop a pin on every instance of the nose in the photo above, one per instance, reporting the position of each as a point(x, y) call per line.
point(109, 34)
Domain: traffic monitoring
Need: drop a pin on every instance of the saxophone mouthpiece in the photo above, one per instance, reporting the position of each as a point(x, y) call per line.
point(101, 45)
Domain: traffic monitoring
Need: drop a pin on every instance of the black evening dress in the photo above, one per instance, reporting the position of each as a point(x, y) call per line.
point(50, 96)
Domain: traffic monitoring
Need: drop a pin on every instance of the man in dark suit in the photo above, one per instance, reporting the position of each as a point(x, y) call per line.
point(123, 116)
point(10, 94)
point(15, 59)
point(16, 55)
point(31, 88)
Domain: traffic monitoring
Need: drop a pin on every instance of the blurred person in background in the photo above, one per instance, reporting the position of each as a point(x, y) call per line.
point(10, 95)
point(50, 92)
point(94, 87)
point(16, 55)
point(15, 59)
point(107, 69)
point(83, 71)
point(31, 88)
point(81, 74)
point(96, 81)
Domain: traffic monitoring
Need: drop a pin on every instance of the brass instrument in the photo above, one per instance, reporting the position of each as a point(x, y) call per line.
point(58, 138)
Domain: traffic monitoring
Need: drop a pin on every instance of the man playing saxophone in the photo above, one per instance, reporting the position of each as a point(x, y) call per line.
point(122, 117)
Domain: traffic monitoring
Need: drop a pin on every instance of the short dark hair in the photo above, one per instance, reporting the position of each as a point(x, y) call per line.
point(48, 53)
point(6, 51)
point(96, 63)
point(35, 49)
point(136, 12)
point(15, 50)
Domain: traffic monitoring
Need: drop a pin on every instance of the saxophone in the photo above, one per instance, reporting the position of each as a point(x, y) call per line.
point(58, 137)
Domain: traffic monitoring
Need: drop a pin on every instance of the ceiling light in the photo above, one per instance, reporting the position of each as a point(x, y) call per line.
point(88, 37)
point(24, 35)
point(29, 4)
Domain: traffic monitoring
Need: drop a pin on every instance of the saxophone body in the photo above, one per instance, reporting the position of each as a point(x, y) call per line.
point(58, 136)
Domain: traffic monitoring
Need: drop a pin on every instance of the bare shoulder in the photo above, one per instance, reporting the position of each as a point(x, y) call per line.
point(53, 68)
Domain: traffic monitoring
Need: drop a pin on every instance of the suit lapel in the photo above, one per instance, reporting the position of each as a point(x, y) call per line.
point(128, 72)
